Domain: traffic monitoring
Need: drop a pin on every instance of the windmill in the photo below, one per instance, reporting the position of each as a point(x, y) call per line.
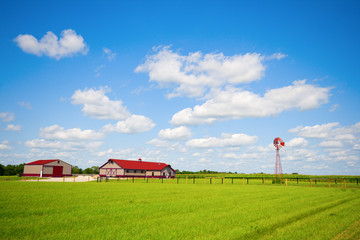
point(278, 143)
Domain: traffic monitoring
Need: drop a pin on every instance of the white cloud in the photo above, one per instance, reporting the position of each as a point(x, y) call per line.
point(179, 133)
point(26, 105)
point(133, 124)
point(317, 131)
point(12, 127)
point(235, 103)
point(226, 140)
point(97, 105)
point(49, 45)
point(195, 73)
point(334, 107)
point(7, 116)
point(297, 142)
point(331, 144)
point(97, 70)
point(328, 131)
point(110, 55)
point(4, 145)
point(59, 133)
point(61, 145)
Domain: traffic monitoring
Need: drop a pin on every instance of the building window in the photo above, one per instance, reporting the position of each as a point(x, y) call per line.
point(142, 171)
point(152, 173)
point(127, 171)
point(134, 171)
point(163, 173)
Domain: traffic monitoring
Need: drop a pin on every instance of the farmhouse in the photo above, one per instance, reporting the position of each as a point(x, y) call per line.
point(47, 168)
point(130, 168)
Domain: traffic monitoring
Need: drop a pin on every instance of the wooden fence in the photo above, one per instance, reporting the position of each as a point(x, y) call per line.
point(305, 182)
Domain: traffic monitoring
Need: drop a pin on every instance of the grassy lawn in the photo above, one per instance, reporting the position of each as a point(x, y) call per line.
point(126, 210)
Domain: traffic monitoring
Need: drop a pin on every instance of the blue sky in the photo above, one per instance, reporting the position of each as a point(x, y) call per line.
point(196, 84)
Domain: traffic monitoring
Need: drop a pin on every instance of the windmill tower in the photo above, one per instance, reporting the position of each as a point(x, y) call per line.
point(278, 143)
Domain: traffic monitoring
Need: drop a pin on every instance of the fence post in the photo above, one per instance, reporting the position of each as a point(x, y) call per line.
point(232, 180)
point(186, 179)
point(264, 181)
point(88, 179)
point(329, 182)
point(247, 179)
point(133, 179)
point(204, 180)
point(344, 183)
point(310, 182)
point(243, 181)
point(297, 179)
point(74, 178)
point(194, 180)
point(63, 179)
point(286, 181)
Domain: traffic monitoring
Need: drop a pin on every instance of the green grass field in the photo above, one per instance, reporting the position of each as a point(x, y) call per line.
point(126, 210)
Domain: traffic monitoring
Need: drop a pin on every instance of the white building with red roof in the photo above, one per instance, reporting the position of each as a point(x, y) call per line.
point(130, 168)
point(47, 168)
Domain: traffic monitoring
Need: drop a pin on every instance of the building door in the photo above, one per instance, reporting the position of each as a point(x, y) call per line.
point(111, 172)
point(57, 171)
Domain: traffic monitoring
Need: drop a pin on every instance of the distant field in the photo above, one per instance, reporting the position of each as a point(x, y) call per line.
point(126, 210)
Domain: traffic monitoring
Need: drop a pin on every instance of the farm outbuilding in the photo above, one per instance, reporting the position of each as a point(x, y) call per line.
point(47, 168)
point(130, 168)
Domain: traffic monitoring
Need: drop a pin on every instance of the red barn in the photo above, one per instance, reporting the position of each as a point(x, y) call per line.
point(48, 168)
point(129, 168)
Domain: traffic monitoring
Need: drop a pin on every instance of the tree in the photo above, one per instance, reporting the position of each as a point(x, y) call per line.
point(2, 170)
point(88, 171)
point(95, 169)
point(77, 170)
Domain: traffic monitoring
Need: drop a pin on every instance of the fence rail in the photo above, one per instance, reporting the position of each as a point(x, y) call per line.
point(305, 182)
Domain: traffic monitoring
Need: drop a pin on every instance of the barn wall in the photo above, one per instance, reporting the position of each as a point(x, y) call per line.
point(47, 170)
point(168, 172)
point(66, 167)
point(111, 165)
point(135, 173)
point(156, 173)
point(32, 169)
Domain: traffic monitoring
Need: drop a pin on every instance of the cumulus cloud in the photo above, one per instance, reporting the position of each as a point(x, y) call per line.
point(179, 133)
point(133, 124)
point(110, 54)
point(331, 144)
point(226, 140)
point(61, 145)
point(328, 130)
point(97, 105)
point(59, 133)
point(235, 103)
point(12, 127)
point(4, 145)
point(297, 142)
point(7, 116)
point(50, 45)
point(26, 105)
point(195, 73)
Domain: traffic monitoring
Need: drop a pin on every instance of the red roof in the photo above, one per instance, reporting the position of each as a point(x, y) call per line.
point(42, 162)
point(139, 165)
